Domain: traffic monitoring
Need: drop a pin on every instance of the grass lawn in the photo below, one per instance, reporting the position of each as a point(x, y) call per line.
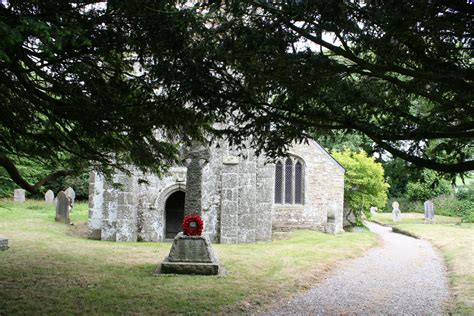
point(51, 268)
point(456, 243)
point(412, 218)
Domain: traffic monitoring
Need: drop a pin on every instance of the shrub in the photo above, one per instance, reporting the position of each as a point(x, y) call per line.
point(466, 193)
point(365, 185)
point(418, 191)
point(446, 205)
point(467, 211)
point(430, 187)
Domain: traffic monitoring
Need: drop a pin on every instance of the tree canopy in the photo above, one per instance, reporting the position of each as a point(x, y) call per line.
point(78, 86)
point(110, 85)
point(399, 72)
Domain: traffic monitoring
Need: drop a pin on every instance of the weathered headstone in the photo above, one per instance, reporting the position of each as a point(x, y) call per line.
point(63, 206)
point(373, 210)
point(49, 196)
point(3, 244)
point(429, 211)
point(19, 195)
point(396, 213)
point(71, 195)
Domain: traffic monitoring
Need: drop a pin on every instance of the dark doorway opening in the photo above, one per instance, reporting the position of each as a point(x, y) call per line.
point(174, 214)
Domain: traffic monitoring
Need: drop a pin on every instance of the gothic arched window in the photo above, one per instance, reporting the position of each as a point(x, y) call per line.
point(289, 181)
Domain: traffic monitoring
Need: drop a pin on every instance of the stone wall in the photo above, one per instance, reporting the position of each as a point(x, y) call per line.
point(264, 200)
point(96, 203)
point(323, 192)
point(246, 198)
point(236, 198)
point(152, 194)
point(112, 211)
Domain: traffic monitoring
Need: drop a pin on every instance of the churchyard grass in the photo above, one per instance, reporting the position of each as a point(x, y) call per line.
point(51, 268)
point(412, 218)
point(456, 243)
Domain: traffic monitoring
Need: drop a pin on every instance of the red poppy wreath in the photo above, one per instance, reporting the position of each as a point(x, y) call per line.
point(192, 225)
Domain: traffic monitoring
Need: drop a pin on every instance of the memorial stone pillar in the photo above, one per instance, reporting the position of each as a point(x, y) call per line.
point(196, 159)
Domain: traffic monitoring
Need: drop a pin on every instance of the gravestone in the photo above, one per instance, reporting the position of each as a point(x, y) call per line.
point(373, 210)
point(19, 195)
point(49, 196)
point(71, 195)
point(3, 244)
point(63, 206)
point(429, 211)
point(396, 213)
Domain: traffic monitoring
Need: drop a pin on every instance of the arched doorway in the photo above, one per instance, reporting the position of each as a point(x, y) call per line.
point(174, 214)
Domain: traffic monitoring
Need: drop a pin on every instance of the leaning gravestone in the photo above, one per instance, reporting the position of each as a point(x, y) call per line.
point(71, 195)
point(19, 195)
point(373, 210)
point(429, 211)
point(63, 206)
point(3, 244)
point(49, 196)
point(396, 213)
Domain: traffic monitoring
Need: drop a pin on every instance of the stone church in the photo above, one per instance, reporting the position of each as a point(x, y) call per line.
point(241, 197)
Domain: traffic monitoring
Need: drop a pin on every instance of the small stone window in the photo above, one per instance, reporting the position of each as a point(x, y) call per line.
point(289, 181)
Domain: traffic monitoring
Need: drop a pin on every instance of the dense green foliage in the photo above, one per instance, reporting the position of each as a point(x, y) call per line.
point(91, 84)
point(33, 172)
point(399, 173)
point(465, 202)
point(30, 170)
point(364, 183)
point(431, 185)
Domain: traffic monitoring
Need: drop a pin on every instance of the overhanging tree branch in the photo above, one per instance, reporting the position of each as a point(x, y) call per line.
point(15, 175)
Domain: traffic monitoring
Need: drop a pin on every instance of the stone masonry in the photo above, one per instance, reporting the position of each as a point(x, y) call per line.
point(323, 193)
point(236, 191)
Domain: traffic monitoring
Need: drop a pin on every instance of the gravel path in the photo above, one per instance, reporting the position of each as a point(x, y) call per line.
point(404, 277)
